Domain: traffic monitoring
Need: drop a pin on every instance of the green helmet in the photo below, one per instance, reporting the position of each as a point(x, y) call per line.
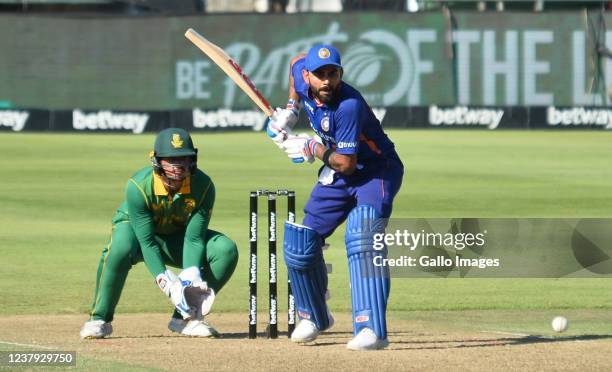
point(174, 142)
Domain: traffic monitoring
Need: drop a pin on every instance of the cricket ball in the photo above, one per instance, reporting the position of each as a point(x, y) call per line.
point(559, 324)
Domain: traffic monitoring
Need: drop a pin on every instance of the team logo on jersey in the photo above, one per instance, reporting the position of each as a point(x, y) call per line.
point(189, 205)
point(325, 123)
point(177, 142)
point(324, 53)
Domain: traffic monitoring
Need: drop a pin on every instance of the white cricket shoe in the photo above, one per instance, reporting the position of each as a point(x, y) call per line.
point(194, 328)
point(366, 340)
point(307, 331)
point(96, 329)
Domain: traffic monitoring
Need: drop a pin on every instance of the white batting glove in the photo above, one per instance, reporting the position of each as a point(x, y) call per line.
point(300, 148)
point(282, 122)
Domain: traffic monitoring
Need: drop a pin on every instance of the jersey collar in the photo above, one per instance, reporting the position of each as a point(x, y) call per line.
point(160, 189)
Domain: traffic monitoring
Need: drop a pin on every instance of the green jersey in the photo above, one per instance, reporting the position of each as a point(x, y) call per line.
point(151, 212)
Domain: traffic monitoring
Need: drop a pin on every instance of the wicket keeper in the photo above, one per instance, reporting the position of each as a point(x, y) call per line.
point(360, 176)
point(163, 221)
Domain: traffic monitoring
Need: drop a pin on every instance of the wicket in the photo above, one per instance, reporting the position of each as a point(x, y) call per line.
point(272, 272)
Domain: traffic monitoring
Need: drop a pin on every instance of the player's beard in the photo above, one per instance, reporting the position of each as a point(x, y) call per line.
point(327, 94)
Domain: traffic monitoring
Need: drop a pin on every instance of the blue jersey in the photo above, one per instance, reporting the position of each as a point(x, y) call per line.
point(347, 125)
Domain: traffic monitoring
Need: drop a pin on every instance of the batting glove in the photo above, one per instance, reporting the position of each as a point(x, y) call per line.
point(300, 148)
point(282, 122)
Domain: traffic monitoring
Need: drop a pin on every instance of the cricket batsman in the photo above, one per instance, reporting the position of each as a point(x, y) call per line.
point(163, 221)
point(360, 176)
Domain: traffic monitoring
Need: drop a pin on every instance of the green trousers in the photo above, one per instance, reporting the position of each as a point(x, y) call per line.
point(123, 251)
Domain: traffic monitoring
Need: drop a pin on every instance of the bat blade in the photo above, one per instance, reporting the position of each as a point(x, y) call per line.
point(231, 69)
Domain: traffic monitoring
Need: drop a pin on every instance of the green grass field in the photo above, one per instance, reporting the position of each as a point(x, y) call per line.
point(58, 193)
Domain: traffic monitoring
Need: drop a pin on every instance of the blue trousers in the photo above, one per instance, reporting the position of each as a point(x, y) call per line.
point(329, 205)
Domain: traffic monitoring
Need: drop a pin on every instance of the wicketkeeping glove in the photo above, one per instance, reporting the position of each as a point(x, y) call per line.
point(187, 292)
point(198, 295)
point(172, 287)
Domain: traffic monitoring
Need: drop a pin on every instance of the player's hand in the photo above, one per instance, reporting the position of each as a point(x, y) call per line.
point(202, 297)
point(174, 288)
point(198, 295)
point(281, 123)
point(300, 148)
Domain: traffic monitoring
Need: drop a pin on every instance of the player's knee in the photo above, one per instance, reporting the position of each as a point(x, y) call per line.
point(302, 246)
point(362, 223)
point(226, 248)
point(119, 257)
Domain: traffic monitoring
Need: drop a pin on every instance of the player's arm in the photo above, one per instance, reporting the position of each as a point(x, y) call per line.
point(197, 228)
point(349, 119)
point(279, 126)
point(344, 158)
point(141, 219)
point(292, 93)
point(343, 163)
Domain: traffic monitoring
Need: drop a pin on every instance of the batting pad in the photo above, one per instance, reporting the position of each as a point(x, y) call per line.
point(307, 271)
point(370, 284)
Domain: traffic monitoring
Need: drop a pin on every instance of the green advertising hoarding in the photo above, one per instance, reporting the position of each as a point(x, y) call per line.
point(395, 59)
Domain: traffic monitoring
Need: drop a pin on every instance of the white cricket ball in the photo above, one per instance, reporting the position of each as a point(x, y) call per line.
point(559, 324)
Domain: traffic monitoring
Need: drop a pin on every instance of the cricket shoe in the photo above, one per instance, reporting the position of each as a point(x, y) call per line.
point(96, 329)
point(366, 340)
point(193, 328)
point(307, 331)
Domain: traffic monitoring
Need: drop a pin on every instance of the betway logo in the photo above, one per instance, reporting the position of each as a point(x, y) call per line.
point(272, 271)
point(253, 310)
point(108, 120)
point(272, 217)
point(253, 227)
point(225, 118)
point(273, 311)
point(579, 116)
point(15, 120)
point(458, 116)
point(253, 269)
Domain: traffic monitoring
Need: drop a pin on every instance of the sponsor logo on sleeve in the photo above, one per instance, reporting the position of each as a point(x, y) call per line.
point(346, 145)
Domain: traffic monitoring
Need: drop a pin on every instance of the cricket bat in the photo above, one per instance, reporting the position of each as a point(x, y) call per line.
point(231, 68)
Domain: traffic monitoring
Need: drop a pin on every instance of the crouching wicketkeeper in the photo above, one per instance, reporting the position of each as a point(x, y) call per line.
point(164, 221)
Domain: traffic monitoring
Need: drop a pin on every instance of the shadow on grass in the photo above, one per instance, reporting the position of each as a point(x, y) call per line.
point(400, 341)
point(459, 343)
point(491, 342)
